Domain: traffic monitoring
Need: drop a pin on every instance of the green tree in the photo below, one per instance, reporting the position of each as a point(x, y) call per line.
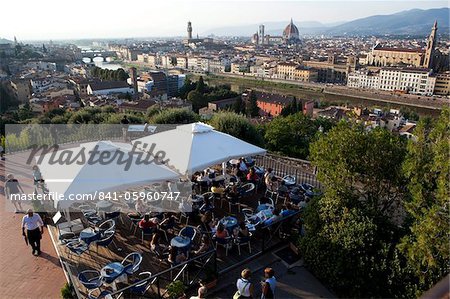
point(291, 135)
point(351, 231)
point(197, 99)
point(200, 86)
point(174, 116)
point(252, 106)
point(239, 106)
point(427, 170)
point(187, 87)
point(25, 112)
point(291, 108)
point(238, 126)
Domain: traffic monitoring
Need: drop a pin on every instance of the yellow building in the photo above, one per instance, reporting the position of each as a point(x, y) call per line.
point(286, 70)
point(381, 56)
point(442, 85)
point(305, 74)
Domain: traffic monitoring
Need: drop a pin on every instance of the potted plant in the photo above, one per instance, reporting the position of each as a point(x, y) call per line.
point(67, 291)
point(175, 290)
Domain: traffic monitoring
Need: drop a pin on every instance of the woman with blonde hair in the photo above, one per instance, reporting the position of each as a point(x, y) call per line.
point(244, 286)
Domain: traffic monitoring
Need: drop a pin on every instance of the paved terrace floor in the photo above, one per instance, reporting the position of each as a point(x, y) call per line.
point(23, 275)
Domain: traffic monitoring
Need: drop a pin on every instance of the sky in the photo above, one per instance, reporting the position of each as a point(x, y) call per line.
point(51, 19)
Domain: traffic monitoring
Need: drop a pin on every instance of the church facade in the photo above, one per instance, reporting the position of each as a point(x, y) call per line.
point(290, 35)
point(384, 56)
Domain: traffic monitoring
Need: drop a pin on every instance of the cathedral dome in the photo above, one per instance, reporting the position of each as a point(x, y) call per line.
point(291, 32)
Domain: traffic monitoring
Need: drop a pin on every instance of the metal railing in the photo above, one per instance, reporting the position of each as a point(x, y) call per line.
point(162, 279)
point(283, 166)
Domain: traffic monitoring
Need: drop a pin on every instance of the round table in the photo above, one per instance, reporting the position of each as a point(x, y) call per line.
point(180, 242)
point(264, 206)
point(229, 222)
point(234, 161)
point(111, 271)
point(104, 205)
point(89, 235)
point(289, 181)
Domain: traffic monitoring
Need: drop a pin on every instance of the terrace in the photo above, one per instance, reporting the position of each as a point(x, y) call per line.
point(90, 236)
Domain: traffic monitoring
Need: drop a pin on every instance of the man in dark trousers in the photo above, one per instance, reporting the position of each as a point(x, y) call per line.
point(34, 227)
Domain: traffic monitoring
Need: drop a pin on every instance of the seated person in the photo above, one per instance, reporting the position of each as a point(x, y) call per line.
point(283, 189)
point(275, 216)
point(232, 192)
point(221, 232)
point(204, 177)
point(287, 210)
point(169, 221)
point(204, 246)
point(210, 173)
point(270, 179)
point(148, 223)
point(242, 165)
point(201, 292)
point(155, 244)
point(207, 221)
point(241, 231)
point(252, 177)
point(175, 256)
point(216, 188)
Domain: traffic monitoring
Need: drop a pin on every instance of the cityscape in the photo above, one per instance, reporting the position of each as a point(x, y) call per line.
point(226, 149)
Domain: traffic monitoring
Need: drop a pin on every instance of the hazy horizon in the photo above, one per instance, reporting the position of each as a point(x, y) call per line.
point(50, 19)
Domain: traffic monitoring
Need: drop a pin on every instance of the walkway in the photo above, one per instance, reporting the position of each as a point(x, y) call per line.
point(23, 275)
point(296, 282)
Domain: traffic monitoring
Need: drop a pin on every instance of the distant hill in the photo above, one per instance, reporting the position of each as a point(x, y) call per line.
point(5, 41)
point(409, 22)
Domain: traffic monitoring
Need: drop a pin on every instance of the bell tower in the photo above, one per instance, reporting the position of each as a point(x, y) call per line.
point(431, 43)
point(189, 30)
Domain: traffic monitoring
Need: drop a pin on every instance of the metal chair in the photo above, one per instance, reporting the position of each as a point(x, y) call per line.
point(77, 247)
point(106, 239)
point(247, 213)
point(282, 195)
point(108, 225)
point(266, 200)
point(132, 262)
point(113, 215)
point(270, 193)
point(225, 243)
point(67, 237)
point(234, 201)
point(142, 288)
point(146, 232)
point(90, 279)
point(240, 241)
point(134, 221)
point(247, 189)
point(188, 231)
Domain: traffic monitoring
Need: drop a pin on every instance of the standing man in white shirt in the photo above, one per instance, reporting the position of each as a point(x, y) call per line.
point(34, 229)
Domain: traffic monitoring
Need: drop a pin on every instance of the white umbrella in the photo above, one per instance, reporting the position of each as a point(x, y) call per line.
point(194, 147)
point(84, 176)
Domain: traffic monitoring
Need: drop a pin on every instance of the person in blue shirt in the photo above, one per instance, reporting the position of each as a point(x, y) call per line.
point(269, 284)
